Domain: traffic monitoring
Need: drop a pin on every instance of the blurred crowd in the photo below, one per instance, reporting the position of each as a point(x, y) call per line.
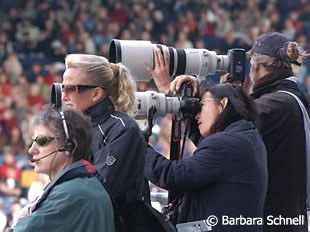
point(36, 35)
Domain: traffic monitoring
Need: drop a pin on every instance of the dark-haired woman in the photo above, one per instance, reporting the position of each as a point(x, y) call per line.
point(226, 177)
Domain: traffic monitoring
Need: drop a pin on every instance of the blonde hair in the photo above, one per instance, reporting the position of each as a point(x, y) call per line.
point(115, 79)
point(294, 54)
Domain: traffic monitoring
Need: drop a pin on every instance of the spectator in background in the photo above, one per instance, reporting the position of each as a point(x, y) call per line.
point(13, 68)
point(35, 98)
point(5, 88)
point(9, 180)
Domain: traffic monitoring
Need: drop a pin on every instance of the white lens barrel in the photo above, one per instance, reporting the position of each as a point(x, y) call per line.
point(164, 105)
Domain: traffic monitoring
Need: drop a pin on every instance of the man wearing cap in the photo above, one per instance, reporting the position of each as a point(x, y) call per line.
point(282, 127)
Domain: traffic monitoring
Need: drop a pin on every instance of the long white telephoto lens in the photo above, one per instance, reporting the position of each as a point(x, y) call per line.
point(199, 62)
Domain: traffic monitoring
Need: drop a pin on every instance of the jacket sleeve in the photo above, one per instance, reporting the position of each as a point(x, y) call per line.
point(121, 161)
point(204, 167)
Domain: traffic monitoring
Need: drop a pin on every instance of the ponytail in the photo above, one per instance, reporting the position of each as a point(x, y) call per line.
point(123, 90)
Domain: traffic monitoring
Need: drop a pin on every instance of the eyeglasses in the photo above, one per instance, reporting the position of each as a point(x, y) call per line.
point(43, 140)
point(76, 88)
point(207, 100)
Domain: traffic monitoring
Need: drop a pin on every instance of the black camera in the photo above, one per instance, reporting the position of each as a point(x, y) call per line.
point(189, 105)
point(236, 67)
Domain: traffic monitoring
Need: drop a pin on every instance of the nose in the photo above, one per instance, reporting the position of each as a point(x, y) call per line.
point(64, 96)
point(31, 149)
point(197, 116)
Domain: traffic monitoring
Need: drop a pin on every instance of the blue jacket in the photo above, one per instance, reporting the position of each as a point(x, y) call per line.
point(79, 205)
point(226, 175)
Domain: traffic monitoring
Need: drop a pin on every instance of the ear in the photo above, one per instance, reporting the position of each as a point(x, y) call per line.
point(224, 103)
point(69, 153)
point(74, 146)
point(257, 67)
point(98, 94)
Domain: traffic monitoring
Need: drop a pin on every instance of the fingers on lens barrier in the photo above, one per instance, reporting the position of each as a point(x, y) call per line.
point(146, 66)
point(166, 58)
point(159, 57)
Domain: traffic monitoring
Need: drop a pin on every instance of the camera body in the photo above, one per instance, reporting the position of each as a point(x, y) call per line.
point(236, 68)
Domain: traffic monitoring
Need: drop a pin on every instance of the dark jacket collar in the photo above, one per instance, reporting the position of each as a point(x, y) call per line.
point(278, 80)
point(239, 125)
point(273, 82)
point(100, 111)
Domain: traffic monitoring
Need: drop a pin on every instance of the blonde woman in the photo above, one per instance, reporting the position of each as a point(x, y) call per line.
point(106, 92)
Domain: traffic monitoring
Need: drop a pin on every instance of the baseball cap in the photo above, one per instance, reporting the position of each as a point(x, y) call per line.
point(269, 44)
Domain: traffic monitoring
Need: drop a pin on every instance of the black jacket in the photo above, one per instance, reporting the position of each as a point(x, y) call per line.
point(226, 176)
point(118, 149)
point(282, 128)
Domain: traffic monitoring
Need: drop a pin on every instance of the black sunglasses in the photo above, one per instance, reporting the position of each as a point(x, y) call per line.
point(76, 88)
point(43, 140)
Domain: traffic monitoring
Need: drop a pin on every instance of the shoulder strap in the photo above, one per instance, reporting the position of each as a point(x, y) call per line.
point(307, 135)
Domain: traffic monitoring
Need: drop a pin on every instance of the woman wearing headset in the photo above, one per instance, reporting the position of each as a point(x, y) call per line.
point(74, 200)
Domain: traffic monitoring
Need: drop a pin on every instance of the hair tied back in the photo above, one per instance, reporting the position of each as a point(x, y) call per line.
point(115, 69)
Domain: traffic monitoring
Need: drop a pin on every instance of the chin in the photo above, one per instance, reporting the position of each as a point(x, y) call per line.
point(73, 107)
point(202, 133)
point(205, 133)
point(39, 170)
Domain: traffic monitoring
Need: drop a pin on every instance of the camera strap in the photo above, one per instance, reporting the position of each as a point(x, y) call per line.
point(173, 197)
point(306, 120)
point(175, 138)
point(176, 153)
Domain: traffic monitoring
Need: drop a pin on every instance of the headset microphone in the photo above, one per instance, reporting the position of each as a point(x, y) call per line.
point(32, 160)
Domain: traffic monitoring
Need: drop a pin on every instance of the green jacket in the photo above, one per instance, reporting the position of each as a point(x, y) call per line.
point(76, 205)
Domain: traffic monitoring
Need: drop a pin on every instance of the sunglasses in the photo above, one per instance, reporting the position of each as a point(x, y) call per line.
point(43, 140)
point(76, 88)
